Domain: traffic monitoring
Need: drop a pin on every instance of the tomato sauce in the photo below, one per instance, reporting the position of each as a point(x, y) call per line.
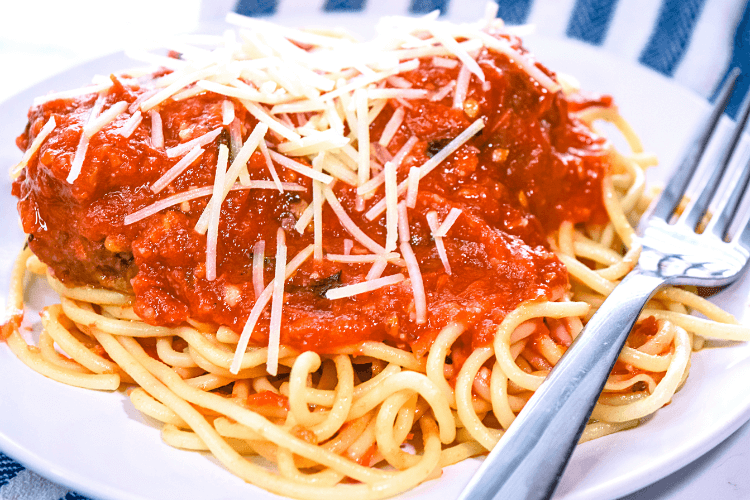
point(533, 166)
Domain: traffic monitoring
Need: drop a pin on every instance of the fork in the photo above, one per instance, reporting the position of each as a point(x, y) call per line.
point(529, 460)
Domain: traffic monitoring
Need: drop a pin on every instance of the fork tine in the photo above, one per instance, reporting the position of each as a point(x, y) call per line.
point(720, 223)
point(685, 170)
point(696, 210)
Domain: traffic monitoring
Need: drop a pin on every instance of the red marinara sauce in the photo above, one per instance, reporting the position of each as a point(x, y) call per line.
point(533, 166)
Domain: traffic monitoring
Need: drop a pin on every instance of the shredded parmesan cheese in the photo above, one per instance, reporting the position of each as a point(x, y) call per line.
point(399, 81)
point(271, 168)
point(260, 304)
point(258, 267)
point(227, 112)
point(274, 328)
point(83, 143)
point(177, 169)
point(348, 245)
point(130, 124)
point(444, 62)
point(448, 222)
point(391, 199)
point(430, 164)
point(239, 163)
point(348, 224)
point(376, 181)
point(176, 86)
point(262, 116)
point(35, 145)
point(360, 259)
point(317, 199)
point(403, 223)
point(157, 132)
point(397, 93)
point(215, 204)
point(377, 269)
point(363, 136)
point(391, 127)
point(105, 118)
point(364, 287)
point(413, 187)
point(300, 168)
point(417, 286)
point(503, 47)
point(432, 221)
point(194, 193)
point(460, 52)
point(462, 87)
point(199, 141)
point(69, 94)
point(443, 92)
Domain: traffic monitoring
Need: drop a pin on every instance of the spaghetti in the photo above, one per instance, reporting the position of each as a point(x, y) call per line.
point(472, 184)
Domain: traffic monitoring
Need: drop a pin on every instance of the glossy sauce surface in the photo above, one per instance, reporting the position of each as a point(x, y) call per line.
point(533, 166)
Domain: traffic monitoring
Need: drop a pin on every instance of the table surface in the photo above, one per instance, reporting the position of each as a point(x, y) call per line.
point(721, 473)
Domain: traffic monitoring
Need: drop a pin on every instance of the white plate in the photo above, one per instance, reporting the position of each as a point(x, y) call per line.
point(97, 444)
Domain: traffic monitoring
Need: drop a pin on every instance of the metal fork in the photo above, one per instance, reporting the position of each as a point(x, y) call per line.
point(529, 460)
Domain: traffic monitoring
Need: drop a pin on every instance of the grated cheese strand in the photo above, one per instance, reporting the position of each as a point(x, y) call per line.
point(239, 163)
point(364, 80)
point(379, 179)
point(503, 47)
point(443, 92)
point(363, 287)
point(448, 222)
point(462, 87)
point(271, 168)
point(453, 46)
point(227, 112)
point(199, 141)
point(274, 328)
point(360, 259)
point(105, 118)
point(348, 245)
point(262, 116)
point(213, 220)
point(194, 193)
point(403, 223)
point(260, 304)
point(131, 124)
point(157, 131)
point(35, 145)
point(391, 214)
point(417, 286)
point(83, 143)
point(430, 164)
point(300, 168)
point(377, 269)
point(177, 169)
point(363, 136)
point(397, 93)
point(432, 221)
point(444, 62)
point(317, 200)
point(243, 92)
point(258, 267)
point(69, 94)
point(348, 224)
point(176, 86)
point(412, 189)
point(392, 127)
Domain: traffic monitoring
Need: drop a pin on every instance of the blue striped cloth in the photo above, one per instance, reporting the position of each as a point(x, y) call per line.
point(693, 41)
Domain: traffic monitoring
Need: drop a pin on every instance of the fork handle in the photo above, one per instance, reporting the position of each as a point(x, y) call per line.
point(529, 460)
